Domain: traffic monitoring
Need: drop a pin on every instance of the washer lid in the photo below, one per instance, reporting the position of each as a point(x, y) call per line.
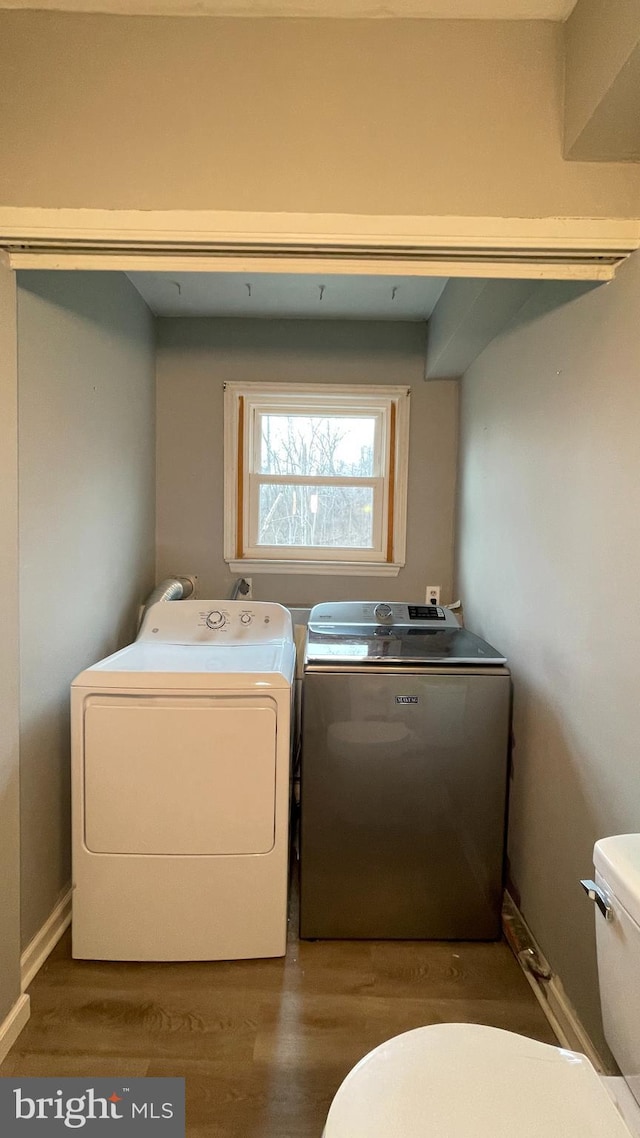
point(357, 645)
point(459, 1080)
point(617, 860)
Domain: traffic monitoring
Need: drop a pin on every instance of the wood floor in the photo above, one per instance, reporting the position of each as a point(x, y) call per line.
point(263, 1044)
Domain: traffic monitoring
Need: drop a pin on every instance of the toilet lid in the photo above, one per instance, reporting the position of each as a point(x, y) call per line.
point(457, 1080)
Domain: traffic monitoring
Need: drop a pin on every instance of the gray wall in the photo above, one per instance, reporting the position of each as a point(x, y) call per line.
point(9, 652)
point(86, 423)
point(195, 357)
point(549, 565)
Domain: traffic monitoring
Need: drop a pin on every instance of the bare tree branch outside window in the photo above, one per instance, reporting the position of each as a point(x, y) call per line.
point(314, 446)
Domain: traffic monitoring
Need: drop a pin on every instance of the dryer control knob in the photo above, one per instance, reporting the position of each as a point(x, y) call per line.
point(216, 619)
point(246, 617)
point(383, 612)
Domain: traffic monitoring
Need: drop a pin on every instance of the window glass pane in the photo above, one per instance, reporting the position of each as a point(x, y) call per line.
point(317, 445)
point(328, 516)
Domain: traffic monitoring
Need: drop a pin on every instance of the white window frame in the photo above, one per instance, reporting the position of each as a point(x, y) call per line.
point(244, 404)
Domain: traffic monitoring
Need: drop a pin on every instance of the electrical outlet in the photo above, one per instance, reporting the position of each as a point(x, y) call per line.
point(249, 594)
point(433, 595)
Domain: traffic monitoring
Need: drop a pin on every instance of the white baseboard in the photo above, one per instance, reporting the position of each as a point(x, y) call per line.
point(45, 940)
point(548, 988)
point(13, 1024)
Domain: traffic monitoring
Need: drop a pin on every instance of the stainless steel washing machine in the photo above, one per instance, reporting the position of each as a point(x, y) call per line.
point(405, 729)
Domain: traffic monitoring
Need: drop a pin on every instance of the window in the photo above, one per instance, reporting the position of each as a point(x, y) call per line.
point(315, 478)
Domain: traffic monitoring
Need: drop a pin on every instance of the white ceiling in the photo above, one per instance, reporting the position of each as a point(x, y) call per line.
point(429, 9)
point(294, 296)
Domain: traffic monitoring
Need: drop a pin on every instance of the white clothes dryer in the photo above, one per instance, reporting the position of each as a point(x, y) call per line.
point(181, 749)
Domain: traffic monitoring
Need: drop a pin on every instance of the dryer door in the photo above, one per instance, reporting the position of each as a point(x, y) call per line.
point(179, 774)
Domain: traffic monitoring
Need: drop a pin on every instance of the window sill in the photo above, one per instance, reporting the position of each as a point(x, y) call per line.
point(318, 568)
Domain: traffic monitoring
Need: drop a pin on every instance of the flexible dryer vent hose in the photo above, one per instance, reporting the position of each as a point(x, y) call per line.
point(172, 589)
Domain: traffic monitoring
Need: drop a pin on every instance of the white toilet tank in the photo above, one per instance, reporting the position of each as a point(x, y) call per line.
point(617, 865)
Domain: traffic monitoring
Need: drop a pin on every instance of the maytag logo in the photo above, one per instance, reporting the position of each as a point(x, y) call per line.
point(407, 699)
point(136, 1108)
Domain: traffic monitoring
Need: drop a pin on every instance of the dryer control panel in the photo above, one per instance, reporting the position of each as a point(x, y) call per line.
point(216, 622)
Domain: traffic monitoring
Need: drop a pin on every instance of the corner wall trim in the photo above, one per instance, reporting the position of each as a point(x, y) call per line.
point(45, 940)
point(547, 987)
point(13, 1024)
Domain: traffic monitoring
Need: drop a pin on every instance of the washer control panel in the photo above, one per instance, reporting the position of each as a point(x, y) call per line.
point(216, 622)
point(381, 614)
